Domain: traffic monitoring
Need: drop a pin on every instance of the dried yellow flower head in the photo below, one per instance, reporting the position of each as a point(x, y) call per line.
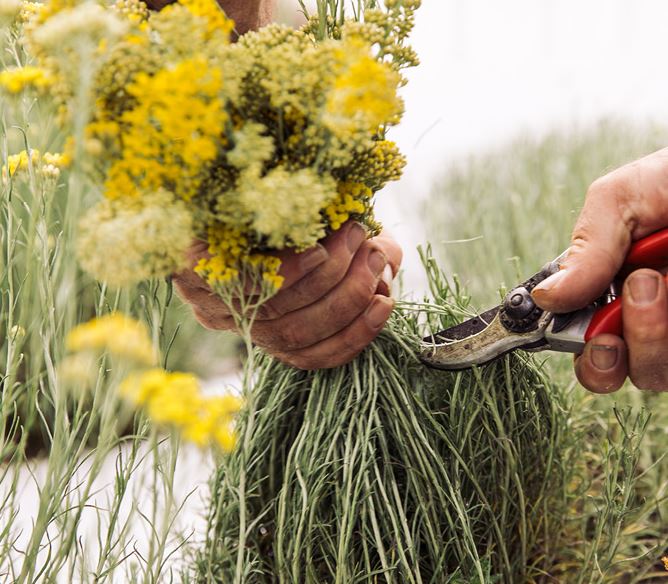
point(122, 242)
point(364, 94)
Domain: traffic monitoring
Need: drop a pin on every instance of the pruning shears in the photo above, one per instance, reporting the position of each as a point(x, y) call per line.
point(518, 323)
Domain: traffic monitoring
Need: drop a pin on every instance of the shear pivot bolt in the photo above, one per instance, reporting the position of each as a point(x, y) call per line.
point(518, 303)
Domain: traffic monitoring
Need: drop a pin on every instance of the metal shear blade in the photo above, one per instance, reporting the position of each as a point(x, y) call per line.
point(480, 340)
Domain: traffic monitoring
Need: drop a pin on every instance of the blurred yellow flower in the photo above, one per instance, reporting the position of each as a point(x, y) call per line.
point(116, 334)
point(9, 10)
point(176, 399)
point(17, 79)
point(49, 164)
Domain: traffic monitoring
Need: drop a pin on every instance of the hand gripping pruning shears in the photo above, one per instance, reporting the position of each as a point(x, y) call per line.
point(518, 323)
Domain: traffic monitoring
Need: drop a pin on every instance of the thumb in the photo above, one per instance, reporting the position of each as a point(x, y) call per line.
point(599, 245)
point(623, 206)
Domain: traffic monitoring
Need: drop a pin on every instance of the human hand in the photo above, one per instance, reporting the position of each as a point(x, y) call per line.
point(620, 208)
point(334, 301)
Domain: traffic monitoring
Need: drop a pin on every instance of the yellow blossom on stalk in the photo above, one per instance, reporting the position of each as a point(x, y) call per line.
point(352, 199)
point(172, 133)
point(49, 164)
point(116, 334)
point(665, 562)
point(30, 11)
point(176, 399)
point(227, 246)
point(364, 94)
point(17, 79)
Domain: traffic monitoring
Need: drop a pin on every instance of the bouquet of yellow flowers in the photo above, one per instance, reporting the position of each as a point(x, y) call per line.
point(265, 144)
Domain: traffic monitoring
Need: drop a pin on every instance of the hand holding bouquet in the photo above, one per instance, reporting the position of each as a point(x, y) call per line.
point(260, 148)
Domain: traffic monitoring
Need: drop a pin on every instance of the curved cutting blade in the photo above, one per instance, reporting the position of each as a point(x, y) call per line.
point(478, 341)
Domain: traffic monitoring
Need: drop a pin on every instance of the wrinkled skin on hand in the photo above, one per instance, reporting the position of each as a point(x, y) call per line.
point(620, 208)
point(334, 301)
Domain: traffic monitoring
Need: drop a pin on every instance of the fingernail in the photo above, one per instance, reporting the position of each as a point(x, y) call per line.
point(312, 258)
point(388, 278)
point(377, 314)
point(644, 288)
point(549, 283)
point(377, 262)
point(604, 357)
point(356, 236)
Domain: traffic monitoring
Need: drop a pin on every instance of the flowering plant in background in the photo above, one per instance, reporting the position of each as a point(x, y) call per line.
point(170, 399)
point(266, 144)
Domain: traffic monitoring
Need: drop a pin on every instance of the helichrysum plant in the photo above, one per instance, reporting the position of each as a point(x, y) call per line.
point(265, 144)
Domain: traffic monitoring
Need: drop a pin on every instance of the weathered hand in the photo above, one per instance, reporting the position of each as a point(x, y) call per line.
point(623, 206)
point(333, 303)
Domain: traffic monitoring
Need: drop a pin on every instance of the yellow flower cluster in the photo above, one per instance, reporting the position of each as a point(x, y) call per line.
point(163, 148)
point(115, 334)
point(216, 24)
point(364, 95)
point(665, 562)
point(266, 144)
point(134, 10)
point(353, 199)
point(124, 241)
point(228, 249)
point(226, 246)
point(48, 164)
point(18, 79)
point(173, 399)
point(176, 399)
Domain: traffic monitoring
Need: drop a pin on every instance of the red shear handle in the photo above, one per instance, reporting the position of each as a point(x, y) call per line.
point(607, 321)
point(650, 252)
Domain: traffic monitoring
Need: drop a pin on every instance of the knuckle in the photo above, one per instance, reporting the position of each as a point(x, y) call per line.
point(614, 182)
point(290, 336)
point(357, 298)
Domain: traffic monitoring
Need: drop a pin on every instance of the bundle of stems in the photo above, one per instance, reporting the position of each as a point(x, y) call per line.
point(386, 471)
